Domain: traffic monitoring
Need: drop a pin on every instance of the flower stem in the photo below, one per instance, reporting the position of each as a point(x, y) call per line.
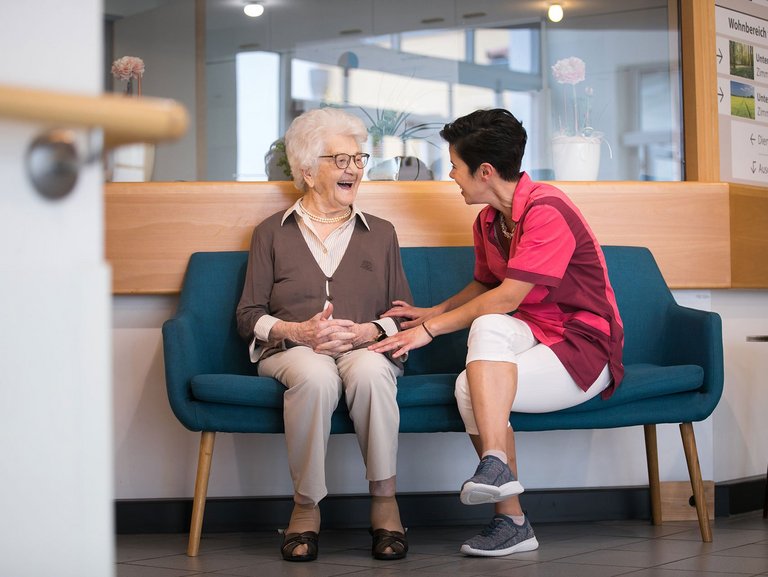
point(575, 112)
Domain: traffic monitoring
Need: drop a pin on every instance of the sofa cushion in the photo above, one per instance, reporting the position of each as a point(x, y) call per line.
point(641, 381)
point(238, 390)
point(413, 391)
point(644, 381)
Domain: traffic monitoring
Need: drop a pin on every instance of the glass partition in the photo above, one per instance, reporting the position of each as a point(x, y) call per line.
point(599, 92)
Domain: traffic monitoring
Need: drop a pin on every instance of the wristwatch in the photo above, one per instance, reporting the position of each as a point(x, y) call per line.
point(382, 333)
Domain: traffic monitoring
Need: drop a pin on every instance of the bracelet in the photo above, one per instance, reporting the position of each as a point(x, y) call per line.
point(424, 325)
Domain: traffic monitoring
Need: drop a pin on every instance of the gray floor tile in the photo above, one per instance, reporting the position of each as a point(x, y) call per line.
point(142, 571)
point(464, 566)
point(753, 550)
point(719, 563)
point(671, 547)
point(285, 569)
point(603, 549)
point(566, 570)
point(619, 558)
point(659, 572)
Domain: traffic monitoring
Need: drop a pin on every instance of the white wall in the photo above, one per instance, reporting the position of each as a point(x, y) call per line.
point(55, 417)
point(741, 442)
point(156, 457)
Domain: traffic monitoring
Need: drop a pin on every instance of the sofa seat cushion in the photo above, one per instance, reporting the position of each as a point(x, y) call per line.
point(230, 389)
point(645, 381)
point(641, 381)
point(266, 392)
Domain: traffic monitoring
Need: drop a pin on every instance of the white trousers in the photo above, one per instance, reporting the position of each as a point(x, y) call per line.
point(543, 384)
point(314, 384)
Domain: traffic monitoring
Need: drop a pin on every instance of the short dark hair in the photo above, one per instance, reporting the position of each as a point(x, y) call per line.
point(493, 136)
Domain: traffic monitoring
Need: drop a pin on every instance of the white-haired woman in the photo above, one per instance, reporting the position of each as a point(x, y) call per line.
point(319, 276)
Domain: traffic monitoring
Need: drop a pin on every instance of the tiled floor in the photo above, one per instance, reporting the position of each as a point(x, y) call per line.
point(602, 549)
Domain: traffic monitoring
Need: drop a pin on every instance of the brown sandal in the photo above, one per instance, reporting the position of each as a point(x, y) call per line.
point(384, 539)
point(293, 540)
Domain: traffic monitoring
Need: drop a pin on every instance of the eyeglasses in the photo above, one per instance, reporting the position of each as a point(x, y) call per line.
point(342, 160)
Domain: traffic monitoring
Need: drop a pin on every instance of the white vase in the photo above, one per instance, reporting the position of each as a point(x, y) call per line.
point(132, 163)
point(576, 157)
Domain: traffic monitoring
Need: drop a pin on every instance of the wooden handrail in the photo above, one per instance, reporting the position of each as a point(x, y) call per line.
point(124, 120)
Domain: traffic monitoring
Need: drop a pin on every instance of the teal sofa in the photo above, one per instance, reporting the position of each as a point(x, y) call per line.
point(673, 357)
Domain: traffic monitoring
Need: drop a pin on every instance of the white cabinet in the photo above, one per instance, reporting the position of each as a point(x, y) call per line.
point(294, 23)
point(494, 12)
point(391, 16)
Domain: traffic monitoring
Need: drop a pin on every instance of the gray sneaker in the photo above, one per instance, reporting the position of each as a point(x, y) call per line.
point(501, 537)
point(491, 483)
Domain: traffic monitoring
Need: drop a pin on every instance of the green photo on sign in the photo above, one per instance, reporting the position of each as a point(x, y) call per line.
point(742, 59)
point(742, 100)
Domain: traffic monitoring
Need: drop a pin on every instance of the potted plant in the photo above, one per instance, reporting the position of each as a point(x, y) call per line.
point(390, 134)
point(576, 144)
point(130, 162)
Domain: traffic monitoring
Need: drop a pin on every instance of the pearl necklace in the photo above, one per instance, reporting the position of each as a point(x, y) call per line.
point(325, 220)
point(504, 230)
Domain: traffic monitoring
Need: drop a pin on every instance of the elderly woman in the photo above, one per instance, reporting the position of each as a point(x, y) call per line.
point(320, 275)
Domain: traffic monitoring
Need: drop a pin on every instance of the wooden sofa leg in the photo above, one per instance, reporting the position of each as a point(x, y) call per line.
point(201, 491)
point(652, 455)
point(694, 471)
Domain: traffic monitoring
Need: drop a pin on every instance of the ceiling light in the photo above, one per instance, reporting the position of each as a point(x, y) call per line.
point(254, 10)
point(555, 12)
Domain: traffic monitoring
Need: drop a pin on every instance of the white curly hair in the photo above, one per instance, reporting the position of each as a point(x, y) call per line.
point(306, 136)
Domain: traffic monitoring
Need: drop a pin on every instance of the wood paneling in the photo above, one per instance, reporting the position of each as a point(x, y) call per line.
point(699, 68)
point(152, 228)
point(676, 501)
point(749, 236)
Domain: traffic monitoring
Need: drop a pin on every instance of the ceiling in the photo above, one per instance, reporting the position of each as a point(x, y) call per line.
point(286, 23)
point(224, 10)
point(228, 12)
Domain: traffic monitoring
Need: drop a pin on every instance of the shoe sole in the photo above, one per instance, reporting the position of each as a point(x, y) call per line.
point(476, 493)
point(528, 545)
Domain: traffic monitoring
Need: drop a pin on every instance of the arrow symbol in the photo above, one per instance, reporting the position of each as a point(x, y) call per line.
point(720, 93)
point(752, 138)
point(754, 167)
point(719, 56)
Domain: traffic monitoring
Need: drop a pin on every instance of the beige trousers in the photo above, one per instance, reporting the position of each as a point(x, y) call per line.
point(314, 384)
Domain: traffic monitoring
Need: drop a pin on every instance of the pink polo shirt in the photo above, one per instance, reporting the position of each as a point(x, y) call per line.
point(571, 308)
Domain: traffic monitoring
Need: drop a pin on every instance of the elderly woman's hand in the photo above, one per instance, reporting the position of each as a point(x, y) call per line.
point(348, 337)
point(418, 315)
point(321, 333)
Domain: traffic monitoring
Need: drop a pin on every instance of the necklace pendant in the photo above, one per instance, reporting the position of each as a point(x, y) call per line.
point(503, 225)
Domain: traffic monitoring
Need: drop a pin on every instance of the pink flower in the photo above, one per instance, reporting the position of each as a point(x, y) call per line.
point(128, 68)
point(573, 71)
point(569, 70)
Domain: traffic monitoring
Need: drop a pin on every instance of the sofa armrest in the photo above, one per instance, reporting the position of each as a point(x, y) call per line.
point(695, 337)
point(182, 361)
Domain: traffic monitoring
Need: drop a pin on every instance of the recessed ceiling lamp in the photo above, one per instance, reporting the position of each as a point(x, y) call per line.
point(254, 9)
point(555, 12)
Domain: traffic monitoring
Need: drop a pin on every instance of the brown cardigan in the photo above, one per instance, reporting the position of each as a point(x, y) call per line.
point(284, 280)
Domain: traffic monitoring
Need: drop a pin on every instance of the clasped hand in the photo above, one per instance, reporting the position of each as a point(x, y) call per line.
point(329, 336)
